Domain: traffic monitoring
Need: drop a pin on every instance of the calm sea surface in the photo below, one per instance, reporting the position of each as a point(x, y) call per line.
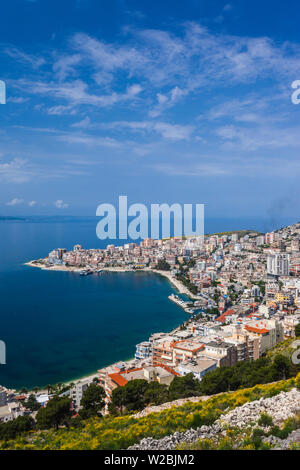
point(59, 326)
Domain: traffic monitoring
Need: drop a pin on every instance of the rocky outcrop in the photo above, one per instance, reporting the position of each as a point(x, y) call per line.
point(280, 407)
point(170, 442)
point(284, 444)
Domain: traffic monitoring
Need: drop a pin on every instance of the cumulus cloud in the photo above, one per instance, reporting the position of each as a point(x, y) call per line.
point(60, 204)
point(15, 201)
point(167, 67)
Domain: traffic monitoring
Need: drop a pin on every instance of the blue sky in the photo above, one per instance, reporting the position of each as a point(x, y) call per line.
point(169, 101)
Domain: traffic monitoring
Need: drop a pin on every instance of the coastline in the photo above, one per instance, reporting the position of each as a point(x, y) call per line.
point(37, 264)
point(175, 282)
point(182, 289)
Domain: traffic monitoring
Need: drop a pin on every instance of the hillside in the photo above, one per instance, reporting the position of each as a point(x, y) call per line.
point(241, 233)
point(284, 348)
point(112, 433)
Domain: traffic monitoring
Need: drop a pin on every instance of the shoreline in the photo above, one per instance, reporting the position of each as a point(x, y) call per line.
point(182, 289)
point(166, 274)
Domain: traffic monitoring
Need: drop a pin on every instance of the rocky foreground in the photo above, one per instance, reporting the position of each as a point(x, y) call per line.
point(280, 407)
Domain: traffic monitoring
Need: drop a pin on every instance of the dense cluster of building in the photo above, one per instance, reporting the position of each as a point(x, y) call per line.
point(248, 288)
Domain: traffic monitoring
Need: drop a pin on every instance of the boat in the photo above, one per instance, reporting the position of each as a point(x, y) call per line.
point(85, 272)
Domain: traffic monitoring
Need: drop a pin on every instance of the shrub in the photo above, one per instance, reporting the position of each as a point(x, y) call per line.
point(257, 432)
point(265, 420)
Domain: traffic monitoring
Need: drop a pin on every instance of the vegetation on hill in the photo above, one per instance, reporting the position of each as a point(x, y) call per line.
point(112, 433)
point(248, 374)
point(242, 233)
point(137, 394)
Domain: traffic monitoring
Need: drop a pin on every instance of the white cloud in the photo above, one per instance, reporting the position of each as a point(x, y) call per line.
point(22, 57)
point(84, 124)
point(255, 137)
point(14, 171)
point(17, 99)
point(14, 202)
point(60, 204)
point(32, 203)
point(166, 67)
point(59, 110)
point(84, 139)
point(166, 130)
point(76, 93)
point(229, 166)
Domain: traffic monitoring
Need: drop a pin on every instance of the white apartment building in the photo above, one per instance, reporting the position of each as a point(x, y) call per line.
point(278, 264)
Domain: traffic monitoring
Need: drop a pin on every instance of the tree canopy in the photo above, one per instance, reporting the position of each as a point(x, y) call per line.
point(92, 401)
point(55, 413)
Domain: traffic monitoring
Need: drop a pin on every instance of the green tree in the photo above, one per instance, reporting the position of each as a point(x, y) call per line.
point(55, 413)
point(156, 394)
point(163, 265)
point(297, 330)
point(49, 388)
point(32, 404)
point(131, 396)
point(12, 429)
point(92, 401)
point(282, 367)
point(186, 386)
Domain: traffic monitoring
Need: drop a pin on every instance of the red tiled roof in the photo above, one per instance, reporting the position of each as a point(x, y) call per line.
point(118, 376)
point(256, 330)
point(118, 379)
point(222, 317)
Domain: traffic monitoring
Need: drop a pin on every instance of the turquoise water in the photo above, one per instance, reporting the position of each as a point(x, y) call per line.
point(59, 326)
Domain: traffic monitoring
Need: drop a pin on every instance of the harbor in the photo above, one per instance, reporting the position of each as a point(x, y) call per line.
point(185, 304)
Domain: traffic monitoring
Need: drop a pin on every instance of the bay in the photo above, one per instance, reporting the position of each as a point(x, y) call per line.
point(59, 326)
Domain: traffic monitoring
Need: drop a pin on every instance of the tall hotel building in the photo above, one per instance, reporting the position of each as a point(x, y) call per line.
point(278, 264)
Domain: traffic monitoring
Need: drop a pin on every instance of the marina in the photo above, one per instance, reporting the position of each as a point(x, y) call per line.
point(185, 304)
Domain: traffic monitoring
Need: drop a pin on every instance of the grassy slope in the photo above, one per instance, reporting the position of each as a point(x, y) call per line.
point(119, 433)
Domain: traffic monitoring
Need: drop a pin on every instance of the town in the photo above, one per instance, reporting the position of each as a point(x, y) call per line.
point(241, 291)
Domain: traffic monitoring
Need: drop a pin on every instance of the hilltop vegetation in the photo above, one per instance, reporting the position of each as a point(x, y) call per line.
point(138, 394)
point(241, 233)
point(112, 433)
point(247, 381)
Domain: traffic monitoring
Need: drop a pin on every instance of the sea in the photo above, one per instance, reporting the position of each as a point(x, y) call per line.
point(60, 326)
